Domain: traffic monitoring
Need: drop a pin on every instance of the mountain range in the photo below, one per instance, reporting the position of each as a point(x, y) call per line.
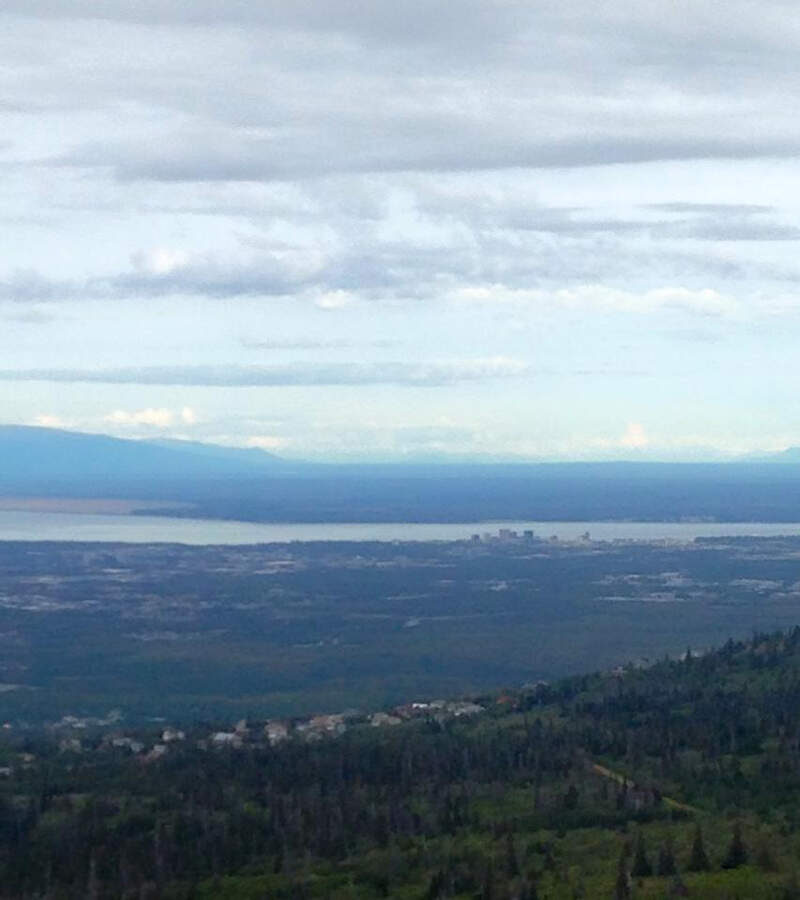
point(252, 484)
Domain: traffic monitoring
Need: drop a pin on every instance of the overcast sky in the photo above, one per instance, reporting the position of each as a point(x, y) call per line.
point(366, 229)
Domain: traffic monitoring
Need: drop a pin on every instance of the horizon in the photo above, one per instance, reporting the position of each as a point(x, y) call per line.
point(641, 456)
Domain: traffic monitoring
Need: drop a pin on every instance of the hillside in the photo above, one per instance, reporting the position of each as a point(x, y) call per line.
point(676, 780)
point(41, 460)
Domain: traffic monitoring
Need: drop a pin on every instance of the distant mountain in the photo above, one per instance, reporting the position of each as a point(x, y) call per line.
point(789, 455)
point(45, 459)
point(236, 456)
point(250, 484)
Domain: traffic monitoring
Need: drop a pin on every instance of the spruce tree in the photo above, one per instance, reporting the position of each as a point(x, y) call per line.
point(666, 860)
point(512, 868)
point(622, 888)
point(764, 858)
point(791, 889)
point(698, 860)
point(641, 864)
point(487, 888)
point(737, 852)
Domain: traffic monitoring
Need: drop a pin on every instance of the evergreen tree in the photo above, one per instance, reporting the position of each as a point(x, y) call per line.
point(737, 852)
point(622, 888)
point(487, 888)
point(641, 864)
point(698, 860)
point(791, 889)
point(93, 884)
point(764, 858)
point(512, 868)
point(666, 860)
point(677, 888)
point(436, 886)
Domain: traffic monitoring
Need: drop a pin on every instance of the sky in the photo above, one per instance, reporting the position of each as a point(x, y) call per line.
point(361, 229)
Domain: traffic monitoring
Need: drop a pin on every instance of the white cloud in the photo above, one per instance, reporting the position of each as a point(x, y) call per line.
point(434, 373)
point(267, 442)
point(48, 421)
point(160, 260)
point(604, 298)
point(150, 417)
point(334, 300)
point(634, 437)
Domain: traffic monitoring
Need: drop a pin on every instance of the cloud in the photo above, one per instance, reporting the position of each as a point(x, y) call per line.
point(634, 437)
point(267, 442)
point(188, 159)
point(410, 20)
point(311, 344)
point(579, 184)
point(44, 420)
point(154, 418)
point(163, 272)
point(283, 91)
point(722, 209)
point(160, 260)
point(151, 417)
point(721, 222)
point(332, 300)
point(705, 301)
point(422, 374)
point(30, 286)
point(29, 317)
point(603, 298)
point(714, 229)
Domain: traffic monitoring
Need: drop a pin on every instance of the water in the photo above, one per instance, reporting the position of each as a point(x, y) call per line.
point(48, 526)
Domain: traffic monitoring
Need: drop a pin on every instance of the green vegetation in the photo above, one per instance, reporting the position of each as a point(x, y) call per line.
point(675, 780)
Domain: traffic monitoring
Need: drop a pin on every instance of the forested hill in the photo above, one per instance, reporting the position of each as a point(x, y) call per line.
point(677, 780)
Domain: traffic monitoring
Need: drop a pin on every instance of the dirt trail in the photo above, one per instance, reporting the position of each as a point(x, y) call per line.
point(619, 778)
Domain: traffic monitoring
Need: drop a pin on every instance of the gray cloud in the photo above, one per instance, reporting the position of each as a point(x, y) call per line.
point(420, 150)
point(723, 209)
point(311, 88)
point(722, 229)
point(209, 278)
point(721, 222)
point(323, 118)
point(432, 374)
point(465, 232)
point(409, 20)
point(31, 286)
point(692, 221)
point(29, 317)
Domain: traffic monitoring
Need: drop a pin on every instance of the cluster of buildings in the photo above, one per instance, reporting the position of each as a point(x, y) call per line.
point(504, 535)
point(273, 732)
point(335, 724)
